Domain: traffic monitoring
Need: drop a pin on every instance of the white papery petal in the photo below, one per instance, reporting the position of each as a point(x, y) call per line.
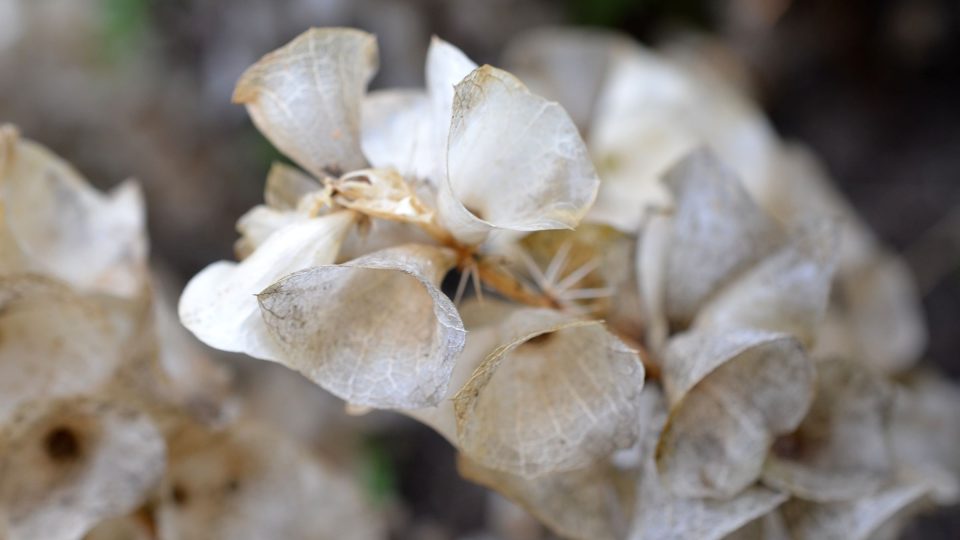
point(557, 395)
point(398, 132)
point(375, 331)
point(731, 392)
point(68, 465)
point(286, 185)
point(306, 97)
point(446, 66)
point(67, 229)
point(840, 451)
point(251, 483)
point(786, 292)
point(258, 224)
point(515, 161)
point(219, 304)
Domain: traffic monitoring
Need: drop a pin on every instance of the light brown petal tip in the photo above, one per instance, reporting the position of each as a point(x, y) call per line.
point(559, 395)
point(375, 331)
point(306, 97)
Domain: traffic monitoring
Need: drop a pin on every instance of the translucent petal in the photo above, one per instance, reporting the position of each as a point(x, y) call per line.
point(397, 132)
point(661, 514)
point(258, 224)
point(54, 343)
point(306, 97)
point(566, 65)
point(219, 304)
point(582, 504)
point(249, 482)
point(717, 232)
point(858, 519)
point(514, 161)
point(446, 67)
point(68, 465)
point(840, 450)
point(731, 392)
point(286, 185)
point(786, 292)
point(69, 230)
point(375, 331)
point(558, 395)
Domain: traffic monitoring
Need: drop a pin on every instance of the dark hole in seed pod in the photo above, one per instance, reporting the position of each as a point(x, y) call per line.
point(179, 495)
point(62, 444)
point(789, 446)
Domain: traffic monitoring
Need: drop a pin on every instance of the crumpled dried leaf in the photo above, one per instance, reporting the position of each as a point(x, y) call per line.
point(730, 392)
point(54, 342)
point(557, 395)
point(249, 482)
point(67, 229)
point(786, 292)
point(67, 465)
point(661, 514)
point(567, 65)
point(840, 450)
point(306, 97)
point(219, 306)
point(375, 331)
point(717, 232)
point(514, 161)
point(858, 519)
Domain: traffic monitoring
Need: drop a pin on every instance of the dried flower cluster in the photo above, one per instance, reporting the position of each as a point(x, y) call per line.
point(627, 304)
point(111, 425)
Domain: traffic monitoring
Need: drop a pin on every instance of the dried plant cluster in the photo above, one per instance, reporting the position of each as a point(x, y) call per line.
point(628, 305)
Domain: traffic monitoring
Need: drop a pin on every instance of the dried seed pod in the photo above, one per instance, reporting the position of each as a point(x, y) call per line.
point(375, 331)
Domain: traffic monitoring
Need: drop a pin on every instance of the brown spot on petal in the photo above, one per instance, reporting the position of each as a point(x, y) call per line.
point(62, 444)
point(179, 495)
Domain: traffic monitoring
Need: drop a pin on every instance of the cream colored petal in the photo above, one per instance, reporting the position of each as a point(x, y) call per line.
point(858, 519)
point(768, 527)
point(514, 161)
point(566, 65)
point(883, 306)
point(286, 185)
point(251, 483)
point(731, 393)
point(661, 514)
point(446, 66)
point(558, 395)
point(653, 245)
point(840, 451)
point(583, 504)
point(306, 97)
point(68, 465)
point(382, 193)
point(373, 234)
point(69, 230)
point(54, 343)
point(130, 527)
point(925, 433)
point(258, 224)
point(397, 132)
point(375, 331)
point(786, 292)
point(219, 304)
point(717, 233)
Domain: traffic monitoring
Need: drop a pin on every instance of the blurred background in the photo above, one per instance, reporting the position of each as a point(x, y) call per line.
point(142, 88)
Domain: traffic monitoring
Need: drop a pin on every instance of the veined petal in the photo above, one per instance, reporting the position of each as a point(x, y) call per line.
point(514, 161)
point(840, 451)
point(375, 331)
point(446, 67)
point(67, 465)
point(731, 392)
point(219, 304)
point(306, 97)
point(398, 131)
point(558, 395)
point(250, 483)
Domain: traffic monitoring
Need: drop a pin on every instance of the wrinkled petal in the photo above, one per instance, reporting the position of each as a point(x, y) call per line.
point(54, 343)
point(514, 161)
point(67, 229)
point(250, 483)
point(558, 395)
point(375, 331)
point(219, 304)
point(840, 450)
point(306, 97)
point(566, 65)
point(68, 465)
point(397, 132)
point(786, 292)
point(731, 392)
point(717, 232)
point(382, 193)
